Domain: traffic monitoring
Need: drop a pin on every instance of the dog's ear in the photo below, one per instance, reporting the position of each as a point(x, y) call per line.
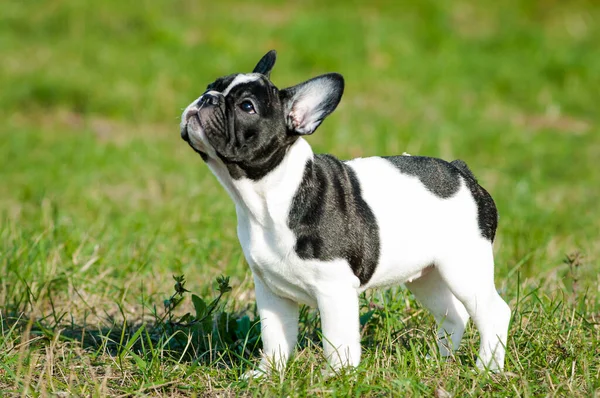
point(307, 104)
point(266, 63)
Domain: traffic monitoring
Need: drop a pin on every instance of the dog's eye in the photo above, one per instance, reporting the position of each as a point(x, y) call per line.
point(247, 107)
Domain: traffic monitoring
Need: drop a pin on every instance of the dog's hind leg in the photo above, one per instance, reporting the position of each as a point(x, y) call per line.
point(469, 273)
point(450, 314)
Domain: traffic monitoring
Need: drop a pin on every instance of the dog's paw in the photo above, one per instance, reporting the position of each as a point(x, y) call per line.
point(492, 367)
point(328, 372)
point(254, 374)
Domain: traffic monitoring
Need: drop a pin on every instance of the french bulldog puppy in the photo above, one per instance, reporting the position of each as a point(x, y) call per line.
point(318, 231)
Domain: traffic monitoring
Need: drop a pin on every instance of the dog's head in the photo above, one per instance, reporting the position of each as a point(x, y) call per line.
point(247, 123)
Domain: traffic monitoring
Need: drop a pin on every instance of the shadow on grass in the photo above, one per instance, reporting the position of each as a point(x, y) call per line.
point(213, 336)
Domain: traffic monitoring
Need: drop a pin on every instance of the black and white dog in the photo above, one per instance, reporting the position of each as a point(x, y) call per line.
point(319, 231)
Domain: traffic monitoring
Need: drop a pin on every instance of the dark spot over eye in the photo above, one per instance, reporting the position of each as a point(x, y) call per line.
point(247, 107)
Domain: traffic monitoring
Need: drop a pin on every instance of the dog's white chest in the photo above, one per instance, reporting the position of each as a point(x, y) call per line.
point(264, 235)
point(270, 254)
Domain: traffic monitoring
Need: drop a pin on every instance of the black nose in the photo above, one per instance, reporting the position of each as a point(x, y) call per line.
point(208, 99)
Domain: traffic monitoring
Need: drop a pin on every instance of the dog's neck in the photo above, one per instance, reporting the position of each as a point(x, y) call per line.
point(269, 198)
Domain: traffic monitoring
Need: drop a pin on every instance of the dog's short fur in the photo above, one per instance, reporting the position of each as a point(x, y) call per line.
point(319, 231)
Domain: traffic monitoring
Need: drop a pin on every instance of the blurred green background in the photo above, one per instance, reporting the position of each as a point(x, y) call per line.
point(101, 202)
point(92, 168)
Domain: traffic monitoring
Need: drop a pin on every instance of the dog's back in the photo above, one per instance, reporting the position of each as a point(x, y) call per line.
point(425, 209)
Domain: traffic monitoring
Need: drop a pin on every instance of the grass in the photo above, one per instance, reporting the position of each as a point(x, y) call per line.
point(101, 202)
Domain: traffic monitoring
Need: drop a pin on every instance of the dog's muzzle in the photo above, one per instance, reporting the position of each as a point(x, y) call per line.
point(207, 100)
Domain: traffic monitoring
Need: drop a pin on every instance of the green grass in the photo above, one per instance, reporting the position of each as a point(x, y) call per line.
point(101, 202)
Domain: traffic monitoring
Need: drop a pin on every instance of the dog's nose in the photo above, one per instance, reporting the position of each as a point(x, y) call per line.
point(208, 99)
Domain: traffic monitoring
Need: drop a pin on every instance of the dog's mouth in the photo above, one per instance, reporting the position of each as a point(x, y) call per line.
point(191, 124)
point(192, 132)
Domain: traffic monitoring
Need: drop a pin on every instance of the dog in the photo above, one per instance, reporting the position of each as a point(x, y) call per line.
point(319, 231)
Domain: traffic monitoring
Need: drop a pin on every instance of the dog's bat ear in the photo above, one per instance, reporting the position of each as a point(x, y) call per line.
point(307, 104)
point(266, 63)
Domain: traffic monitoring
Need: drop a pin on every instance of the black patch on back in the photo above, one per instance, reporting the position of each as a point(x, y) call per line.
point(438, 176)
point(443, 179)
point(331, 220)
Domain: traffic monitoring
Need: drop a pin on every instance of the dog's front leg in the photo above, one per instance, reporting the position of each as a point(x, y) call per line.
point(338, 306)
point(279, 328)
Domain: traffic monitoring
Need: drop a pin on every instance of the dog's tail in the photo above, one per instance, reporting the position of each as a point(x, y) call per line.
point(488, 213)
point(462, 166)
